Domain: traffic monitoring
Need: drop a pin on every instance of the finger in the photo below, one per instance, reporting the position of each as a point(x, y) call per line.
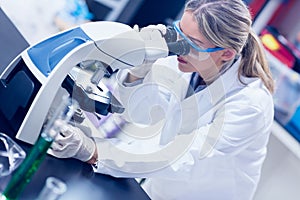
point(55, 146)
point(162, 28)
point(136, 28)
point(150, 27)
point(67, 131)
point(63, 127)
point(57, 154)
point(61, 139)
point(156, 35)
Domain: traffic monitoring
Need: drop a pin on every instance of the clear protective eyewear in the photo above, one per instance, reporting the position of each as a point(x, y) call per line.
point(194, 46)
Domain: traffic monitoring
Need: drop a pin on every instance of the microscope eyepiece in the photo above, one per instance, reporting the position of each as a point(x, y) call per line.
point(176, 47)
point(180, 47)
point(171, 35)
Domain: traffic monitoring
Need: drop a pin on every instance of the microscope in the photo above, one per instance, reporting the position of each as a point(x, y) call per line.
point(73, 61)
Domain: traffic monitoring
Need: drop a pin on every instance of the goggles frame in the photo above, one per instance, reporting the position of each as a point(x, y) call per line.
point(195, 46)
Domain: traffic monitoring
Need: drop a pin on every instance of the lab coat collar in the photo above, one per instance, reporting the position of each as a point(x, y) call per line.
point(202, 105)
point(218, 89)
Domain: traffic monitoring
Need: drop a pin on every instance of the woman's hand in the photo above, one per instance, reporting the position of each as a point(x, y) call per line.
point(155, 48)
point(73, 142)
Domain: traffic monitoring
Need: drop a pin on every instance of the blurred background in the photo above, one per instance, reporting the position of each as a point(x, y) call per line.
point(37, 19)
point(275, 21)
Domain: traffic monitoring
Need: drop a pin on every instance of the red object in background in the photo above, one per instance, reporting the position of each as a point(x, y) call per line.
point(280, 47)
point(280, 52)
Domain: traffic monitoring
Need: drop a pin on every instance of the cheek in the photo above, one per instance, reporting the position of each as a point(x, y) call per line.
point(204, 65)
point(199, 64)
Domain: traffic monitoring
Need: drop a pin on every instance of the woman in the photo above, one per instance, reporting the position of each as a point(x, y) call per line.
point(212, 133)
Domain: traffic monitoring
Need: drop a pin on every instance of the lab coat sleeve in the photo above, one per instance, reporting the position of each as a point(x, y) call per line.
point(234, 128)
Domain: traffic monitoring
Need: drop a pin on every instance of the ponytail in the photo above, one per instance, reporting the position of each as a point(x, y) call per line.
point(254, 63)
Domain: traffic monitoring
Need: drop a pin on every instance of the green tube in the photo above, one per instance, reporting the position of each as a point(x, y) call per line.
point(24, 173)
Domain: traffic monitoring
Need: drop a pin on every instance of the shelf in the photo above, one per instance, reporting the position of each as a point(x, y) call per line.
point(282, 72)
point(286, 139)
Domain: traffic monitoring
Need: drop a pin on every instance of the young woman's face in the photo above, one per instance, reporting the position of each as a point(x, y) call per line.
point(206, 64)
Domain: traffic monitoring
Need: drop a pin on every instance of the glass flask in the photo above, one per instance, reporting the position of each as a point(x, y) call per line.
point(11, 156)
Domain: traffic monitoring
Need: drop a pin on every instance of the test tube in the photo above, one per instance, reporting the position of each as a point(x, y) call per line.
point(30, 165)
point(53, 189)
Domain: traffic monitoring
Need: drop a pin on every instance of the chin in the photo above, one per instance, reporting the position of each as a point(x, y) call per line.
point(185, 68)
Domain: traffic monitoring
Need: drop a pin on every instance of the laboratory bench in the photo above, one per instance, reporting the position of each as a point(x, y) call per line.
point(81, 181)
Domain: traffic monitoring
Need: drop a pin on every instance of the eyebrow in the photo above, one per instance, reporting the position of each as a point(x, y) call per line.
point(195, 40)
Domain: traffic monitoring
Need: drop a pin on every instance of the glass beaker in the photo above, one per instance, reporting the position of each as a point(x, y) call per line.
point(11, 156)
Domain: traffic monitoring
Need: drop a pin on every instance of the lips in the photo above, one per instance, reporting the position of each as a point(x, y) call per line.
point(181, 60)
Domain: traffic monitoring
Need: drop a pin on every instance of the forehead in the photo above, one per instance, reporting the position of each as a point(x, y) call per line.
point(189, 26)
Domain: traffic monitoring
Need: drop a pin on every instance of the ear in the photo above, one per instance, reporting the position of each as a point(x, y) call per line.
point(228, 54)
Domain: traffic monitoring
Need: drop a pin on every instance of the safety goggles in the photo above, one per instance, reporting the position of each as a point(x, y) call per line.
point(195, 47)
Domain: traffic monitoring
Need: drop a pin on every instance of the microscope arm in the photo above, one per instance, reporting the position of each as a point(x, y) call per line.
point(45, 66)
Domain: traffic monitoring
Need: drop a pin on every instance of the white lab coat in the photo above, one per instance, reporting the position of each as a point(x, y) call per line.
point(221, 133)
